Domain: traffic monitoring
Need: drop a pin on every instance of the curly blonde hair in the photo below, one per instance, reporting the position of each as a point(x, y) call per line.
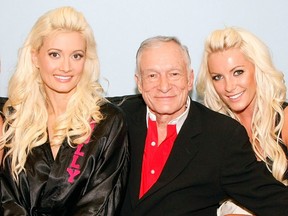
point(25, 112)
point(268, 115)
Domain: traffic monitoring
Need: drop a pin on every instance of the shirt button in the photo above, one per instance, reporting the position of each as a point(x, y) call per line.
point(153, 143)
point(152, 171)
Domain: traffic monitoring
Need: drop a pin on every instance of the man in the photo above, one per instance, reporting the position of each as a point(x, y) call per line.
point(185, 158)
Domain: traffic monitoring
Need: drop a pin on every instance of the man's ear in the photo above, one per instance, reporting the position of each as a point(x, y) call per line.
point(190, 79)
point(138, 82)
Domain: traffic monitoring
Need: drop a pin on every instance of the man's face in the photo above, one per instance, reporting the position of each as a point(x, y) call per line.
point(164, 81)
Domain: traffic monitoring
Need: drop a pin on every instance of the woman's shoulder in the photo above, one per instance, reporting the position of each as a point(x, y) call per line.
point(129, 103)
point(112, 112)
point(108, 107)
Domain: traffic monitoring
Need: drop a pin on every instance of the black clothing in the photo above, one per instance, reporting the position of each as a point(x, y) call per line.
point(211, 160)
point(87, 180)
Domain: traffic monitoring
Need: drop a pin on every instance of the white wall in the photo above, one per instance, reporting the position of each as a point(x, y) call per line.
point(120, 27)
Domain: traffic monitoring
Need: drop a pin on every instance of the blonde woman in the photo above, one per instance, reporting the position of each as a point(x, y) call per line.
point(65, 146)
point(237, 78)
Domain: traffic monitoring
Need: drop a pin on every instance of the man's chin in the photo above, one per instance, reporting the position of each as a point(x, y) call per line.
point(165, 110)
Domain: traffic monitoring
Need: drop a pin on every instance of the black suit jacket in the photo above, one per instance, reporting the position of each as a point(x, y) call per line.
point(211, 160)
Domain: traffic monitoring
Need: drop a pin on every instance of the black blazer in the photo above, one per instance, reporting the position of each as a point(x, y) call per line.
point(211, 160)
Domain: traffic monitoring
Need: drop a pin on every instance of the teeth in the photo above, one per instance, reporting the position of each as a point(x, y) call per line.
point(236, 96)
point(63, 77)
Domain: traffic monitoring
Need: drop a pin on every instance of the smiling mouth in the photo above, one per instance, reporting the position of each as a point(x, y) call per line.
point(235, 96)
point(63, 77)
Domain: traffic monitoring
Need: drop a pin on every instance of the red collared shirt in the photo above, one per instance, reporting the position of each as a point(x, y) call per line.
point(155, 155)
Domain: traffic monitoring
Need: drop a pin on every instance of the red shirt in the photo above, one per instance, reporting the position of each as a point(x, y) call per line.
point(155, 156)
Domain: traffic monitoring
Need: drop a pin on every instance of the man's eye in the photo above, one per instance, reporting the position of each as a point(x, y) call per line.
point(174, 75)
point(152, 76)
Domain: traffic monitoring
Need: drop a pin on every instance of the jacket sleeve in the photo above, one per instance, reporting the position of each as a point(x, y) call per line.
point(12, 203)
point(104, 192)
point(264, 194)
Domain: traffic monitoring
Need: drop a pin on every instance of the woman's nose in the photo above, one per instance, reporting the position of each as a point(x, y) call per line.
point(230, 86)
point(65, 66)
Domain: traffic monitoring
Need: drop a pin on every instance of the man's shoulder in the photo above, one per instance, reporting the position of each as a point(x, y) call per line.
point(213, 116)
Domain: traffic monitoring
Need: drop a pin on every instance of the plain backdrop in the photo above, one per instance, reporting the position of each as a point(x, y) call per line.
point(121, 25)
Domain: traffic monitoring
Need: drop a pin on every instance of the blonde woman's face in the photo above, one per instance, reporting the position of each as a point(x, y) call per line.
point(61, 62)
point(233, 77)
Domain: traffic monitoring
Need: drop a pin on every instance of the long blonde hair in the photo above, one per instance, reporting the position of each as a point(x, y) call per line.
point(270, 94)
point(25, 112)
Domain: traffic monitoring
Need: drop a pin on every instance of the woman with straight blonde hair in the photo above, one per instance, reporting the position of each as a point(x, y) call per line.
point(237, 78)
point(65, 146)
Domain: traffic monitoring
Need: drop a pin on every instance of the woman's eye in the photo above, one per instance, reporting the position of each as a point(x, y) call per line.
point(216, 77)
point(238, 72)
point(54, 54)
point(77, 56)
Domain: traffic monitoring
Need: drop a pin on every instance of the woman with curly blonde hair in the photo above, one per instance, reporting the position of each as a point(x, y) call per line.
point(65, 145)
point(237, 78)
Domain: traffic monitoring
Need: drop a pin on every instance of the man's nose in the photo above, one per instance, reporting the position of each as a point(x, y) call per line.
point(164, 84)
